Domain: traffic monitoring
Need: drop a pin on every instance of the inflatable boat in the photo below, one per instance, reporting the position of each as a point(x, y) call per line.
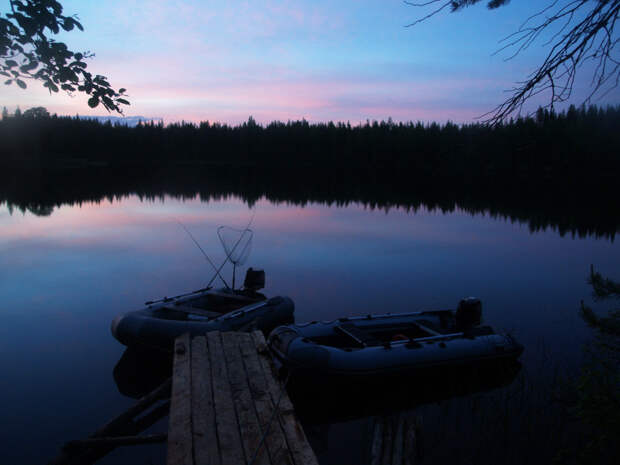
point(390, 344)
point(158, 324)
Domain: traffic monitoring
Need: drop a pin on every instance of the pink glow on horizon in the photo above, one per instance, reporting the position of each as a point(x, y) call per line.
point(269, 94)
point(286, 60)
point(121, 223)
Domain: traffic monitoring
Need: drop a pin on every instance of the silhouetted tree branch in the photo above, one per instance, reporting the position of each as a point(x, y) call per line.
point(583, 31)
point(28, 52)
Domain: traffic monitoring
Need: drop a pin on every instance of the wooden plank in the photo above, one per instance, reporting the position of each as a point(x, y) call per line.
point(388, 439)
point(273, 385)
point(229, 439)
point(377, 442)
point(295, 436)
point(204, 434)
point(275, 440)
point(244, 406)
point(180, 423)
point(397, 450)
point(409, 453)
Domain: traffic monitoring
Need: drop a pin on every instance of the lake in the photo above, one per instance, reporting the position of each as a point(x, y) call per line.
point(65, 275)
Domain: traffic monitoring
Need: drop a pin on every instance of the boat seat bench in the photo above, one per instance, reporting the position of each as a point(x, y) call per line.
point(192, 310)
point(357, 335)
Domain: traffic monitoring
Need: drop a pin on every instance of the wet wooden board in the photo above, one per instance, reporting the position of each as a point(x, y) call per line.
point(396, 440)
point(228, 407)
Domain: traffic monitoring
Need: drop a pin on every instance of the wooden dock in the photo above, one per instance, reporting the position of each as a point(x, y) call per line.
point(227, 407)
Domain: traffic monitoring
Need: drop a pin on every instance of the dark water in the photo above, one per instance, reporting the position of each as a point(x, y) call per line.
point(63, 277)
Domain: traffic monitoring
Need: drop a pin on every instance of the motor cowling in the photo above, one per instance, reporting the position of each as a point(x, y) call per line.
point(468, 313)
point(254, 279)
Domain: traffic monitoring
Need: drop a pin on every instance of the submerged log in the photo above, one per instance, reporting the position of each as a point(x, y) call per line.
point(116, 441)
point(122, 425)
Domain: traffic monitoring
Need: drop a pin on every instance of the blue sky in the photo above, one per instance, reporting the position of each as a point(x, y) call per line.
point(347, 60)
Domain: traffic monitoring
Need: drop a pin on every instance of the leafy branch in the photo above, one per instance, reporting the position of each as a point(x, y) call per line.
point(585, 35)
point(28, 52)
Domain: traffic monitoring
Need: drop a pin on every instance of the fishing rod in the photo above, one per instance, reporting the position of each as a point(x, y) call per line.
point(217, 271)
point(247, 228)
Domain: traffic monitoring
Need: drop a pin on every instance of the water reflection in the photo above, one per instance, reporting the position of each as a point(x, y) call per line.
point(64, 277)
point(342, 424)
point(579, 212)
point(348, 401)
point(141, 371)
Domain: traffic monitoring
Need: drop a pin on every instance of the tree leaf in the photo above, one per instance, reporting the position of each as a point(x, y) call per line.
point(68, 24)
point(28, 67)
point(93, 102)
point(123, 101)
point(51, 86)
point(21, 83)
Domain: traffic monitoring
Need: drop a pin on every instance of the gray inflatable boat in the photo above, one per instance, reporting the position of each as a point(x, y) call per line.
point(391, 344)
point(158, 324)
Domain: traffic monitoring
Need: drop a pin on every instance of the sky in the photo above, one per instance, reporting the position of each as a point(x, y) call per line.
point(198, 60)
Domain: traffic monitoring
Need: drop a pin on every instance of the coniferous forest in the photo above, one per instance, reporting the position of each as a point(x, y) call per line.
point(552, 170)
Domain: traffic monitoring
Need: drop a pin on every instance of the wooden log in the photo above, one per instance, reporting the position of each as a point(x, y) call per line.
point(121, 425)
point(116, 441)
point(142, 405)
point(229, 438)
point(92, 455)
point(180, 425)
point(242, 398)
point(151, 417)
point(203, 411)
point(112, 427)
point(376, 447)
point(293, 431)
point(275, 440)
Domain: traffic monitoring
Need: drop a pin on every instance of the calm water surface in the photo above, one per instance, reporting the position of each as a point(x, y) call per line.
point(63, 277)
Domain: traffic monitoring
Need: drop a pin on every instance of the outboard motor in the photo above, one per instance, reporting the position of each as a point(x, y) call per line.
point(468, 313)
point(254, 280)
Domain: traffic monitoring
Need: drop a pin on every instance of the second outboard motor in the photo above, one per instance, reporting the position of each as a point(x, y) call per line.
point(468, 313)
point(254, 279)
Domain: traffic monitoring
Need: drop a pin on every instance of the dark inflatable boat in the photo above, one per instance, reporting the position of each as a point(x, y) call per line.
point(391, 344)
point(157, 325)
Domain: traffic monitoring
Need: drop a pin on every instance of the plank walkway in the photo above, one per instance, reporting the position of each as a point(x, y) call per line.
point(223, 397)
point(396, 440)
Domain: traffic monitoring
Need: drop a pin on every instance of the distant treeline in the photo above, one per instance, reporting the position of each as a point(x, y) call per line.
point(552, 170)
point(581, 141)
